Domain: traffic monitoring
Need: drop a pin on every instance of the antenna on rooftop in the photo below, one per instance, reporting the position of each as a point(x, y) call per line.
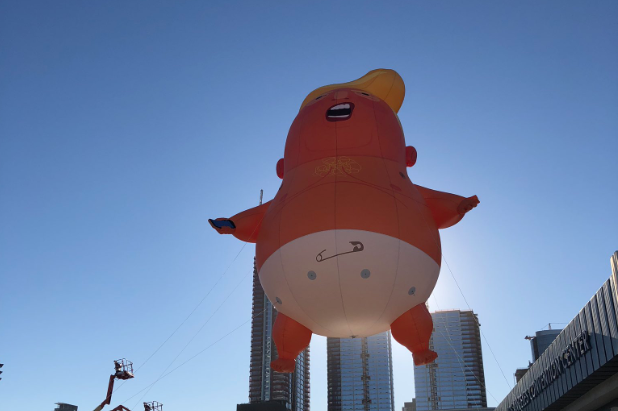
point(261, 196)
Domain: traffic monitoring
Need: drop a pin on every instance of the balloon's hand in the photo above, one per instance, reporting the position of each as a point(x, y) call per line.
point(467, 204)
point(223, 225)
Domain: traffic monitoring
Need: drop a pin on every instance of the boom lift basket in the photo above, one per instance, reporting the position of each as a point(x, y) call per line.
point(124, 369)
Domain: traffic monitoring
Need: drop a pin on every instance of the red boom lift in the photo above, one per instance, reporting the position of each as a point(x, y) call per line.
point(124, 371)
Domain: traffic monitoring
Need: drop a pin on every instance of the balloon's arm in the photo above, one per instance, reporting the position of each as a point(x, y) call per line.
point(245, 225)
point(447, 209)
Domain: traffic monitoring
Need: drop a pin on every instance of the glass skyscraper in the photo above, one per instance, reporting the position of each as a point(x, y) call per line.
point(264, 383)
point(456, 379)
point(360, 373)
point(542, 340)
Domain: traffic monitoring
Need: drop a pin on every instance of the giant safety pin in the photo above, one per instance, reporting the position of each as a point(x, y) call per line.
point(357, 247)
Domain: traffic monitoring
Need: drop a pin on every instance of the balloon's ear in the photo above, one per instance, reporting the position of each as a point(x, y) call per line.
point(280, 168)
point(410, 156)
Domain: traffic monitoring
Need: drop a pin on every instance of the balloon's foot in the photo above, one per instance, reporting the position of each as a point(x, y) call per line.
point(283, 365)
point(424, 357)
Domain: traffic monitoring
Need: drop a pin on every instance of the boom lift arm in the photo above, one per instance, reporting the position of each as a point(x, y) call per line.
point(124, 371)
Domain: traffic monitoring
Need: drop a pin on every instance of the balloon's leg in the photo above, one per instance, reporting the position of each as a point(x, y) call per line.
point(291, 338)
point(413, 330)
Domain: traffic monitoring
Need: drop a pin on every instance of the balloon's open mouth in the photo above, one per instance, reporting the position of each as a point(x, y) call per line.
point(340, 112)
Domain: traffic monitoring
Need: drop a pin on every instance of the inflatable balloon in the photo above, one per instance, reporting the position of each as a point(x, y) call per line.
point(349, 247)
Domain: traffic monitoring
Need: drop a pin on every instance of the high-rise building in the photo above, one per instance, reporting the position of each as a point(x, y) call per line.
point(520, 372)
point(456, 379)
point(263, 406)
point(409, 406)
point(360, 373)
point(542, 340)
point(538, 344)
point(264, 383)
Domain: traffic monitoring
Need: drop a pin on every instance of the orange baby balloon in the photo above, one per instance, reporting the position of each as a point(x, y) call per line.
point(349, 246)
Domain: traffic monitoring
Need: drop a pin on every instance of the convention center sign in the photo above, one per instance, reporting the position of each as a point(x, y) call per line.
point(584, 355)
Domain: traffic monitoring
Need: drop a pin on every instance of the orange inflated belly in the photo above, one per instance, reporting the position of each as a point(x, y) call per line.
point(317, 198)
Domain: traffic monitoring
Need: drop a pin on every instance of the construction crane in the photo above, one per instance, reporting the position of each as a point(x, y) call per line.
point(123, 371)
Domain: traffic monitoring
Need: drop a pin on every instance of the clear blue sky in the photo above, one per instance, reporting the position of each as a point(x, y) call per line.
point(125, 125)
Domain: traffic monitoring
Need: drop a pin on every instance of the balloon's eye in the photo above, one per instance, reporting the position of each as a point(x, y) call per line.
point(366, 95)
